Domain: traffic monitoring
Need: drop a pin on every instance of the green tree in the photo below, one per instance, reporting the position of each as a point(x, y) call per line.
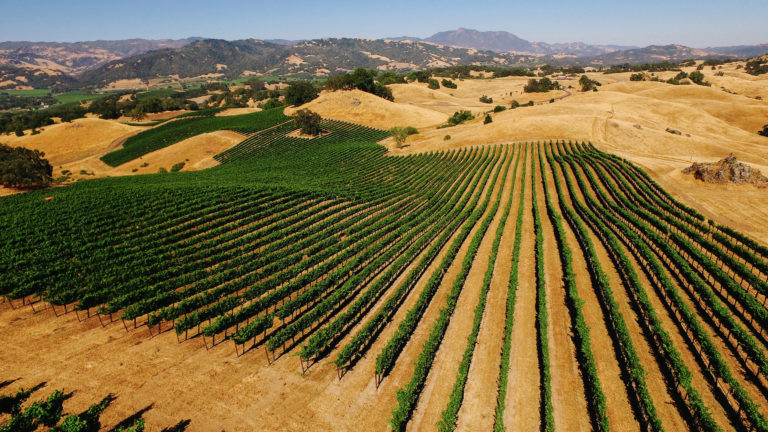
point(21, 167)
point(308, 121)
point(488, 119)
point(588, 84)
point(460, 117)
point(256, 84)
point(541, 86)
point(433, 84)
point(697, 77)
point(764, 132)
point(400, 134)
point(449, 84)
point(300, 92)
point(138, 113)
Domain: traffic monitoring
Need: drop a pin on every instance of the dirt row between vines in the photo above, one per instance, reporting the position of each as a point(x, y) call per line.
point(442, 377)
point(688, 355)
point(657, 387)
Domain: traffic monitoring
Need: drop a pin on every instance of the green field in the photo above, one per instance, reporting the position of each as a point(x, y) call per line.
point(175, 131)
point(78, 96)
point(29, 93)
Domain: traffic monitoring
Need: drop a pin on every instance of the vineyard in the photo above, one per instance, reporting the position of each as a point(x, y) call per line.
point(528, 286)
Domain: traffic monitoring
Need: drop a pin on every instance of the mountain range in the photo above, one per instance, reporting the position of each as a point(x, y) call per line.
point(99, 63)
point(77, 57)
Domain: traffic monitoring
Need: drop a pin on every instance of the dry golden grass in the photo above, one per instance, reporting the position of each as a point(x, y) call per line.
point(237, 111)
point(69, 142)
point(360, 107)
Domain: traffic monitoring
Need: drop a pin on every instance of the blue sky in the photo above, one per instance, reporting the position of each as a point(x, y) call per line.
point(699, 23)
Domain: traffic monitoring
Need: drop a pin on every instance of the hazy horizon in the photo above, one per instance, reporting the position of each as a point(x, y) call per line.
point(700, 24)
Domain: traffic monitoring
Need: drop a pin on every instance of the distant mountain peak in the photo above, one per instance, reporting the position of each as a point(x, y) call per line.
point(503, 41)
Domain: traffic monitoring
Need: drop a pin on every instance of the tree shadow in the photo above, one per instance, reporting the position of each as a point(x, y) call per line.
point(131, 420)
point(6, 383)
point(178, 427)
point(106, 402)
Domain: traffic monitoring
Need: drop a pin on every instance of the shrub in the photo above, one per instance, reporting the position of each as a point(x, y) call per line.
point(177, 167)
point(447, 138)
point(764, 132)
point(433, 84)
point(162, 171)
point(637, 77)
point(460, 117)
point(449, 84)
point(499, 108)
point(411, 130)
point(308, 121)
point(488, 119)
point(486, 99)
point(21, 167)
point(514, 104)
point(300, 92)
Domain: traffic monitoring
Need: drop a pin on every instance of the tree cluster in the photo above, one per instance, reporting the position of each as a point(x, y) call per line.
point(23, 168)
point(361, 79)
point(541, 86)
point(448, 84)
point(757, 67)
point(588, 84)
point(300, 92)
point(460, 117)
point(650, 67)
point(308, 122)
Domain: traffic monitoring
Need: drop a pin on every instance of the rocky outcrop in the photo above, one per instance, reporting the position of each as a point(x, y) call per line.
point(727, 171)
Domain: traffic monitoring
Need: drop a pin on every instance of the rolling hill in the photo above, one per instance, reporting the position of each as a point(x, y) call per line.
point(77, 57)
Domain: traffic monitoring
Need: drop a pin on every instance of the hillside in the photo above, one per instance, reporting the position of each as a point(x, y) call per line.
point(320, 57)
point(361, 107)
point(77, 57)
point(12, 77)
point(654, 54)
